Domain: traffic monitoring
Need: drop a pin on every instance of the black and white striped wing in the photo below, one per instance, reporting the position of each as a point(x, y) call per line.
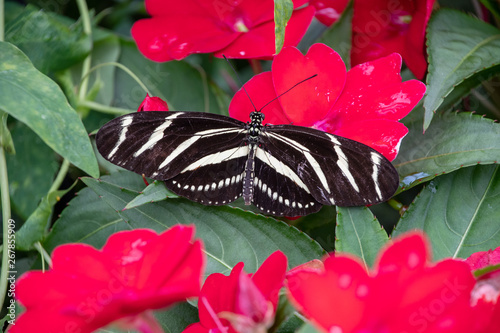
point(300, 169)
point(200, 156)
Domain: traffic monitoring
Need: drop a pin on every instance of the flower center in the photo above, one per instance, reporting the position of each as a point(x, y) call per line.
point(240, 26)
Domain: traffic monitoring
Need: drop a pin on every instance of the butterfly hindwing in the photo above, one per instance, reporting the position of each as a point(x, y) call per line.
point(336, 170)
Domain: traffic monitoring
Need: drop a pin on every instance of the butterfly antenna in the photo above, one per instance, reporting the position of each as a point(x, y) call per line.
point(296, 84)
point(239, 81)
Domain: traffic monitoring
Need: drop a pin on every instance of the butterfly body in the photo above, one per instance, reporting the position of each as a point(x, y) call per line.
point(282, 169)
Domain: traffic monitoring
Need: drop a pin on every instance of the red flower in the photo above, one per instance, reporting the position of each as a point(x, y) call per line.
point(237, 29)
point(153, 104)
point(240, 302)
point(483, 259)
point(329, 11)
point(486, 294)
point(363, 104)
point(134, 272)
point(403, 293)
point(381, 27)
point(485, 301)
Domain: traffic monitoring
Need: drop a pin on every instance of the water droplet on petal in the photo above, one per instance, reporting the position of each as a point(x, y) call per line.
point(362, 291)
point(345, 281)
point(179, 50)
point(135, 253)
point(335, 329)
point(413, 260)
point(242, 53)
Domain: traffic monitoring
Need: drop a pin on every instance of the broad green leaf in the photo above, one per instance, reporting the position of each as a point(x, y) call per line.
point(320, 226)
point(230, 235)
point(5, 136)
point(308, 328)
point(358, 232)
point(451, 142)
point(459, 212)
point(338, 37)
point(153, 193)
point(461, 49)
point(282, 12)
point(31, 170)
point(34, 229)
point(49, 43)
point(291, 325)
point(183, 86)
point(37, 101)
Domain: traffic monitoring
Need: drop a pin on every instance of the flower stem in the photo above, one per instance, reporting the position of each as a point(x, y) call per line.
point(44, 255)
point(87, 29)
point(256, 66)
point(104, 108)
point(4, 190)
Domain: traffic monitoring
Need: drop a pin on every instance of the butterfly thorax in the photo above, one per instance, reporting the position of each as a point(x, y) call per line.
point(254, 126)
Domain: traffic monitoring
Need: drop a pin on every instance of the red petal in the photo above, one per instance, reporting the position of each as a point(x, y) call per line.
point(270, 275)
point(414, 54)
point(153, 104)
point(220, 291)
point(374, 90)
point(310, 101)
point(329, 11)
point(260, 88)
point(175, 37)
point(335, 298)
point(483, 259)
point(382, 135)
point(259, 42)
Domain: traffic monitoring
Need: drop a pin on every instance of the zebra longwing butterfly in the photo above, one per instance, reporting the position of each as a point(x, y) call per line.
point(284, 170)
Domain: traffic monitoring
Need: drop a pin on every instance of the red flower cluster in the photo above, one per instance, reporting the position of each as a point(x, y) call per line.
point(381, 27)
point(237, 29)
point(403, 293)
point(364, 104)
point(134, 272)
point(239, 302)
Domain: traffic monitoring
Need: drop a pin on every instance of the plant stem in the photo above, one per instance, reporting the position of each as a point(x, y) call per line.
point(45, 256)
point(87, 29)
point(104, 108)
point(4, 189)
point(60, 176)
point(2, 20)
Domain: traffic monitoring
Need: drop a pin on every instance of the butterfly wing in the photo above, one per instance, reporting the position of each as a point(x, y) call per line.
point(333, 169)
point(200, 156)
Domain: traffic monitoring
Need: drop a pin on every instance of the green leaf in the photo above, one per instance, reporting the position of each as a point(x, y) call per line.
point(358, 232)
point(230, 235)
point(31, 170)
point(338, 36)
point(5, 136)
point(153, 193)
point(37, 101)
point(308, 328)
point(183, 86)
point(49, 43)
point(459, 212)
point(282, 12)
point(34, 229)
point(452, 141)
point(461, 49)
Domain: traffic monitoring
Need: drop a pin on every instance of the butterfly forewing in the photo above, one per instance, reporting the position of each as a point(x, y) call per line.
point(200, 156)
point(336, 170)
